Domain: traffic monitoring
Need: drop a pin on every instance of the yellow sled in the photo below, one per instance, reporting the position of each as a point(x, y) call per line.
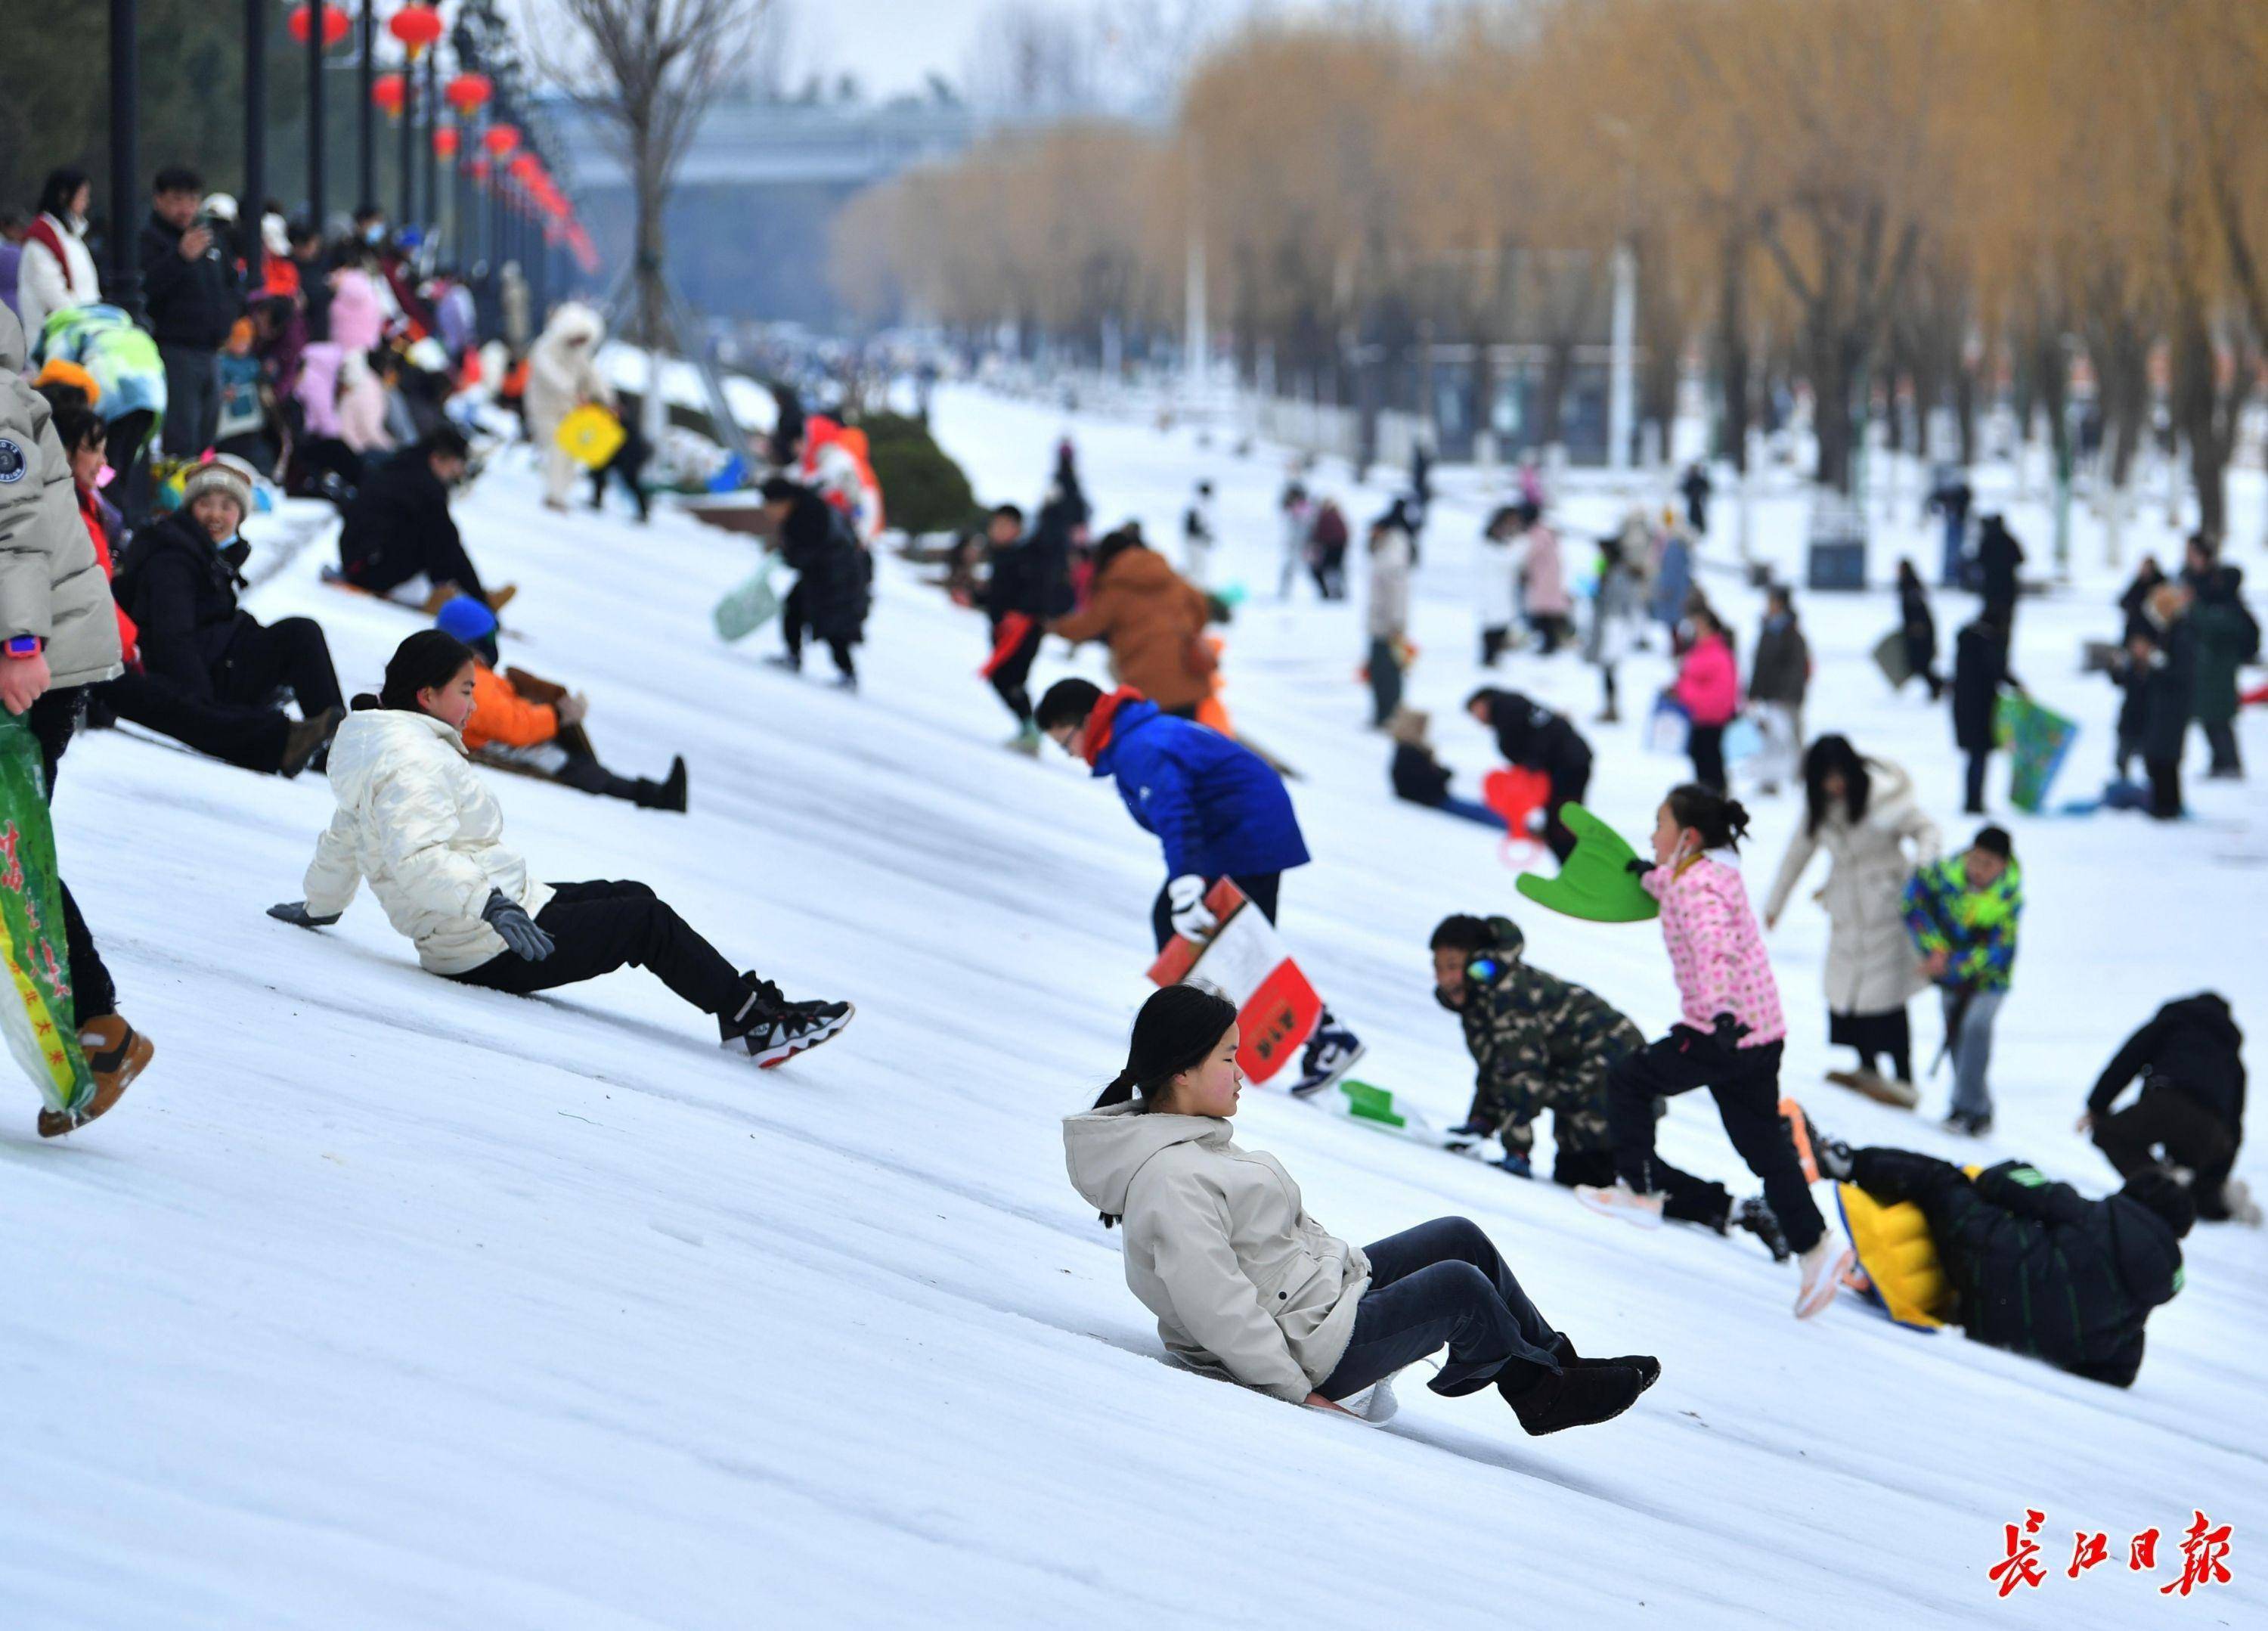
point(591, 436)
point(1896, 1258)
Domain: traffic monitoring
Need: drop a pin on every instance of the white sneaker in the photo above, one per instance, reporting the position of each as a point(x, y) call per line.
point(1375, 1403)
point(2236, 1195)
point(1823, 1268)
point(1622, 1202)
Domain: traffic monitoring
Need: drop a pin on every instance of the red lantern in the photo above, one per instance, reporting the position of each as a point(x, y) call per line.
point(335, 24)
point(417, 27)
point(526, 168)
point(467, 93)
point(481, 171)
point(444, 141)
point(500, 140)
point(387, 94)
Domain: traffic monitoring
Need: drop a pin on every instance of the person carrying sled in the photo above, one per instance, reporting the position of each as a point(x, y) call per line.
point(1962, 913)
point(1247, 1286)
point(830, 598)
point(1029, 583)
point(1215, 806)
point(2189, 1059)
point(417, 822)
point(1531, 737)
point(2036, 1268)
point(542, 735)
point(1728, 1041)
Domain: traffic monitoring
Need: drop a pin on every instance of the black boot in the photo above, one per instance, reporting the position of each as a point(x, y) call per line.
point(1756, 1216)
point(1581, 1395)
point(668, 795)
point(1648, 1368)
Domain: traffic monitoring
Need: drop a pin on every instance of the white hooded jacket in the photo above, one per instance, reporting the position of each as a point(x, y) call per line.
point(563, 370)
point(417, 821)
point(1244, 1283)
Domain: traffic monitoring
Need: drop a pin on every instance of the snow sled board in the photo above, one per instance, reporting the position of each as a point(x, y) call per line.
point(1245, 960)
point(1890, 657)
point(1374, 1106)
point(590, 436)
point(749, 608)
point(2039, 740)
point(1904, 1279)
point(37, 1012)
point(1877, 1087)
point(1595, 883)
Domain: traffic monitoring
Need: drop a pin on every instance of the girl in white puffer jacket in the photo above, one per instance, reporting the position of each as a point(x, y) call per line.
point(417, 822)
point(1245, 1285)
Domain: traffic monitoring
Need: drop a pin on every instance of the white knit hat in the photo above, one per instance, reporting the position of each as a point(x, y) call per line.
point(231, 477)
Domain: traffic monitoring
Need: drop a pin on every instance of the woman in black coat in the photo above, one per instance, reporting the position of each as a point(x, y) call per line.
point(1980, 673)
point(830, 595)
point(2168, 694)
point(1997, 557)
point(1917, 625)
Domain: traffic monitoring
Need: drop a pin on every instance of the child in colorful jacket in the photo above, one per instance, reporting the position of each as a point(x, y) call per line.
point(1728, 1040)
point(1962, 913)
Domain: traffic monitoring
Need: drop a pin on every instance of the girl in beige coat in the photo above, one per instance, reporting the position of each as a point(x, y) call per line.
point(1862, 813)
point(1245, 1285)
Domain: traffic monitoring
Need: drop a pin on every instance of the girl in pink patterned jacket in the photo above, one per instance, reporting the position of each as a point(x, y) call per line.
point(1728, 1040)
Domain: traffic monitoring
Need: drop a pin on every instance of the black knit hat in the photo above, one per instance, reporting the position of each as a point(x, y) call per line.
point(2166, 1195)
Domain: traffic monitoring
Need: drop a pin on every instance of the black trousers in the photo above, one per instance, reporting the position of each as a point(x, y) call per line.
point(1557, 836)
point(596, 928)
point(2221, 738)
point(1706, 745)
point(585, 774)
point(2192, 1136)
point(1260, 888)
point(291, 655)
point(1493, 642)
point(1874, 1035)
point(1008, 679)
point(1974, 804)
point(1745, 1084)
point(440, 557)
point(794, 620)
point(2165, 788)
point(249, 738)
point(1442, 1285)
point(192, 399)
point(53, 718)
point(627, 466)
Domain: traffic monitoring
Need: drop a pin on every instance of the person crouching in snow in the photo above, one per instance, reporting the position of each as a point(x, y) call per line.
point(2036, 1268)
point(1245, 1285)
point(417, 821)
point(1541, 1043)
point(1217, 808)
point(542, 736)
point(1729, 1040)
point(1531, 737)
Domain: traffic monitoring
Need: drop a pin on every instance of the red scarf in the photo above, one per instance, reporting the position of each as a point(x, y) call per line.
point(42, 233)
point(1105, 715)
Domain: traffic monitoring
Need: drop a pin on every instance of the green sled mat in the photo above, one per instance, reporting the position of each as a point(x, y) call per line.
point(1594, 883)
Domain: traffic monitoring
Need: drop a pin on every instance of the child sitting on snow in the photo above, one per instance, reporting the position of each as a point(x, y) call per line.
point(513, 727)
point(1421, 779)
point(1728, 1041)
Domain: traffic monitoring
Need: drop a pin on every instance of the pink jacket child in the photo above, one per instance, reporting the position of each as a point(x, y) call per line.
point(1715, 949)
point(1708, 682)
point(1547, 579)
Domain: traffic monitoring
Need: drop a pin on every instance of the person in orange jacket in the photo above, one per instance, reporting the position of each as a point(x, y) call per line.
point(545, 739)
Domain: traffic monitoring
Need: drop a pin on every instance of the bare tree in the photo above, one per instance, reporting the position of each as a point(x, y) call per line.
point(648, 70)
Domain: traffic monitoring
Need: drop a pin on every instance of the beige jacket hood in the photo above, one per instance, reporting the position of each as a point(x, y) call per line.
point(1872, 965)
point(1220, 1247)
point(417, 821)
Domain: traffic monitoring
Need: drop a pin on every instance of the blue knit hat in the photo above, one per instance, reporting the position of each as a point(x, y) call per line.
point(468, 619)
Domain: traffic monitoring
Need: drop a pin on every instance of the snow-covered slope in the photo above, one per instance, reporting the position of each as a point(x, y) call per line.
point(383, 1302)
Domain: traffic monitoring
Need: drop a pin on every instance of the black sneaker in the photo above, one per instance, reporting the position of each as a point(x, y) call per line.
point(1969, 1125)
point(1755, 1215)
point(1831, 1155)
point(799, 1028)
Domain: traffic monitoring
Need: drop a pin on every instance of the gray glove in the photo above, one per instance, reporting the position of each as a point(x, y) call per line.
point(506, 916)
point(296, 912)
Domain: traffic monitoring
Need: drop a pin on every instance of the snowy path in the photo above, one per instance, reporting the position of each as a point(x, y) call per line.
point(386, 1302)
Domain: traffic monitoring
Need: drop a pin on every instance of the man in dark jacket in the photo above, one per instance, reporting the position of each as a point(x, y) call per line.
point(2189, 1061)
point(830, 593)
point(1029, 585)
point(1530, 735)
point(2227, 636)
point(1698, 487)
point(1776, 686)
point(1997, 557)
point(193, 300)
point(399, 524)
point(2036, 1268)
point(1216, 807)
point(179, 581)
point(1980, 673)
point(2169, 686)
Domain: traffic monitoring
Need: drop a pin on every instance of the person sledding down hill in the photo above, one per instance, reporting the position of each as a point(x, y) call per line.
point(518, 723)
point(417, 821)
point(1217, 808)
point(2032, 1266)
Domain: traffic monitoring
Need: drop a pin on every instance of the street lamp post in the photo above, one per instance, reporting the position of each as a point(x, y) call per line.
point(124, 282)
point(314, 112)
point(406, 191)
point(432, 124)
point(366, 120)
point(252, 207)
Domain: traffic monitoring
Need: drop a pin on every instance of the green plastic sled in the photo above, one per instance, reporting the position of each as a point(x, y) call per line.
point(1594, 883)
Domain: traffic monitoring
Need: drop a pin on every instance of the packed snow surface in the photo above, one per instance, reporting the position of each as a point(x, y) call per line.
point(382, 1302)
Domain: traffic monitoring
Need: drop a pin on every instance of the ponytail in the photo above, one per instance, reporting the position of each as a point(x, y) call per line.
point(427, 660)
point(1721, 821)
point(1174, 1032)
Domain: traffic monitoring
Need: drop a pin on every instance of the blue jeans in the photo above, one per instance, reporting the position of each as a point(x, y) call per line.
point(1468, 810)
point(1972, 1050)
point(1441, 1284)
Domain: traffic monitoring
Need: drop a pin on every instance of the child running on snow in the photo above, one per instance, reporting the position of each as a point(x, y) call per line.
point(417, 821)
point(1729, 1040)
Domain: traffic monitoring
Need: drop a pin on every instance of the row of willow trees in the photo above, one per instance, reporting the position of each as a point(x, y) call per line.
point(1912, 202)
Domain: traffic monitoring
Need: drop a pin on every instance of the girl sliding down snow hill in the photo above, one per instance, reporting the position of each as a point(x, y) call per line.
point(1728, 1041)
point(415, 820)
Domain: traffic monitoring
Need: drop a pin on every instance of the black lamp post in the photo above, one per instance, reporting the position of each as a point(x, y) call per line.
point(123, 284)
point(315, 112)
point(428, 158)
point(366, 121)
point(252, 207)
point(406, 193)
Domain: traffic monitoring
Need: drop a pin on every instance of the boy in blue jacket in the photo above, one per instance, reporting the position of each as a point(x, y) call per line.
point(1217, 809)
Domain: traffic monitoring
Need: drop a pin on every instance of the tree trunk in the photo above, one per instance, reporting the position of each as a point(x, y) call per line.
point(2196, 401)
point(1964, 409)
point(1831, 412)
point(1552, 398)
point(1733, 363)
